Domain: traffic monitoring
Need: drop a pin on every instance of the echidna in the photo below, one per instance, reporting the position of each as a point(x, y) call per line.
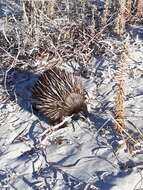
point(58, 93)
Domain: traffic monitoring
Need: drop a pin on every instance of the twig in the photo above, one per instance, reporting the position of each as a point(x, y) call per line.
point(139, 130)
point(6, 73)
point(54, 128)
point(88, 186)
point(121, 127)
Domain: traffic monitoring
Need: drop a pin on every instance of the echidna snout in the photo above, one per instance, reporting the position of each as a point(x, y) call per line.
point(74, 103)
point(58, 93)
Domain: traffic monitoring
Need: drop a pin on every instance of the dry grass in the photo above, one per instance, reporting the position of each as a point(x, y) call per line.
point(72, 32)
point(139, 5)
point(105, 15)
point(121, 77)
point(120, 108)
point(121, 127)
point(120, 21)
point(56, 32)
point(62, 31)
point(128, 10)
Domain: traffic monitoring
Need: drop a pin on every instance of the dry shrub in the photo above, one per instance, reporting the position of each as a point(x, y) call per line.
point(134, 9)
point(120, 109)
point(139, 5)
point(120, 20)
point(105, 15)
point(120, 95)
point(53, 31)
point(128, 14)
point(59, 31)
point(121, 77)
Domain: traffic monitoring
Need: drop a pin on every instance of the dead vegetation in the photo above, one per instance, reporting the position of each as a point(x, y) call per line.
point(60, 31)
point(76, 33)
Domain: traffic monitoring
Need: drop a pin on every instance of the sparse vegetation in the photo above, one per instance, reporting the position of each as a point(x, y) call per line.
point(82, 35)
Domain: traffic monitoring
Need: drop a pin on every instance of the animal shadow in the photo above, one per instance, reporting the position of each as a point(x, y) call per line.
point(18, 84)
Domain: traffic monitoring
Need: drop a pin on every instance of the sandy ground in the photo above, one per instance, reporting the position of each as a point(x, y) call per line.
point(86, 154)
point(91, 152)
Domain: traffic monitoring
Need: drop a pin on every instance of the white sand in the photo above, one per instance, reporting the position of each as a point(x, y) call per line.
point(93, 153)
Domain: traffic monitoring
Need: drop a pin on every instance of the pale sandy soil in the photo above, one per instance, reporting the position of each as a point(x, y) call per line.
point(86, 154)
